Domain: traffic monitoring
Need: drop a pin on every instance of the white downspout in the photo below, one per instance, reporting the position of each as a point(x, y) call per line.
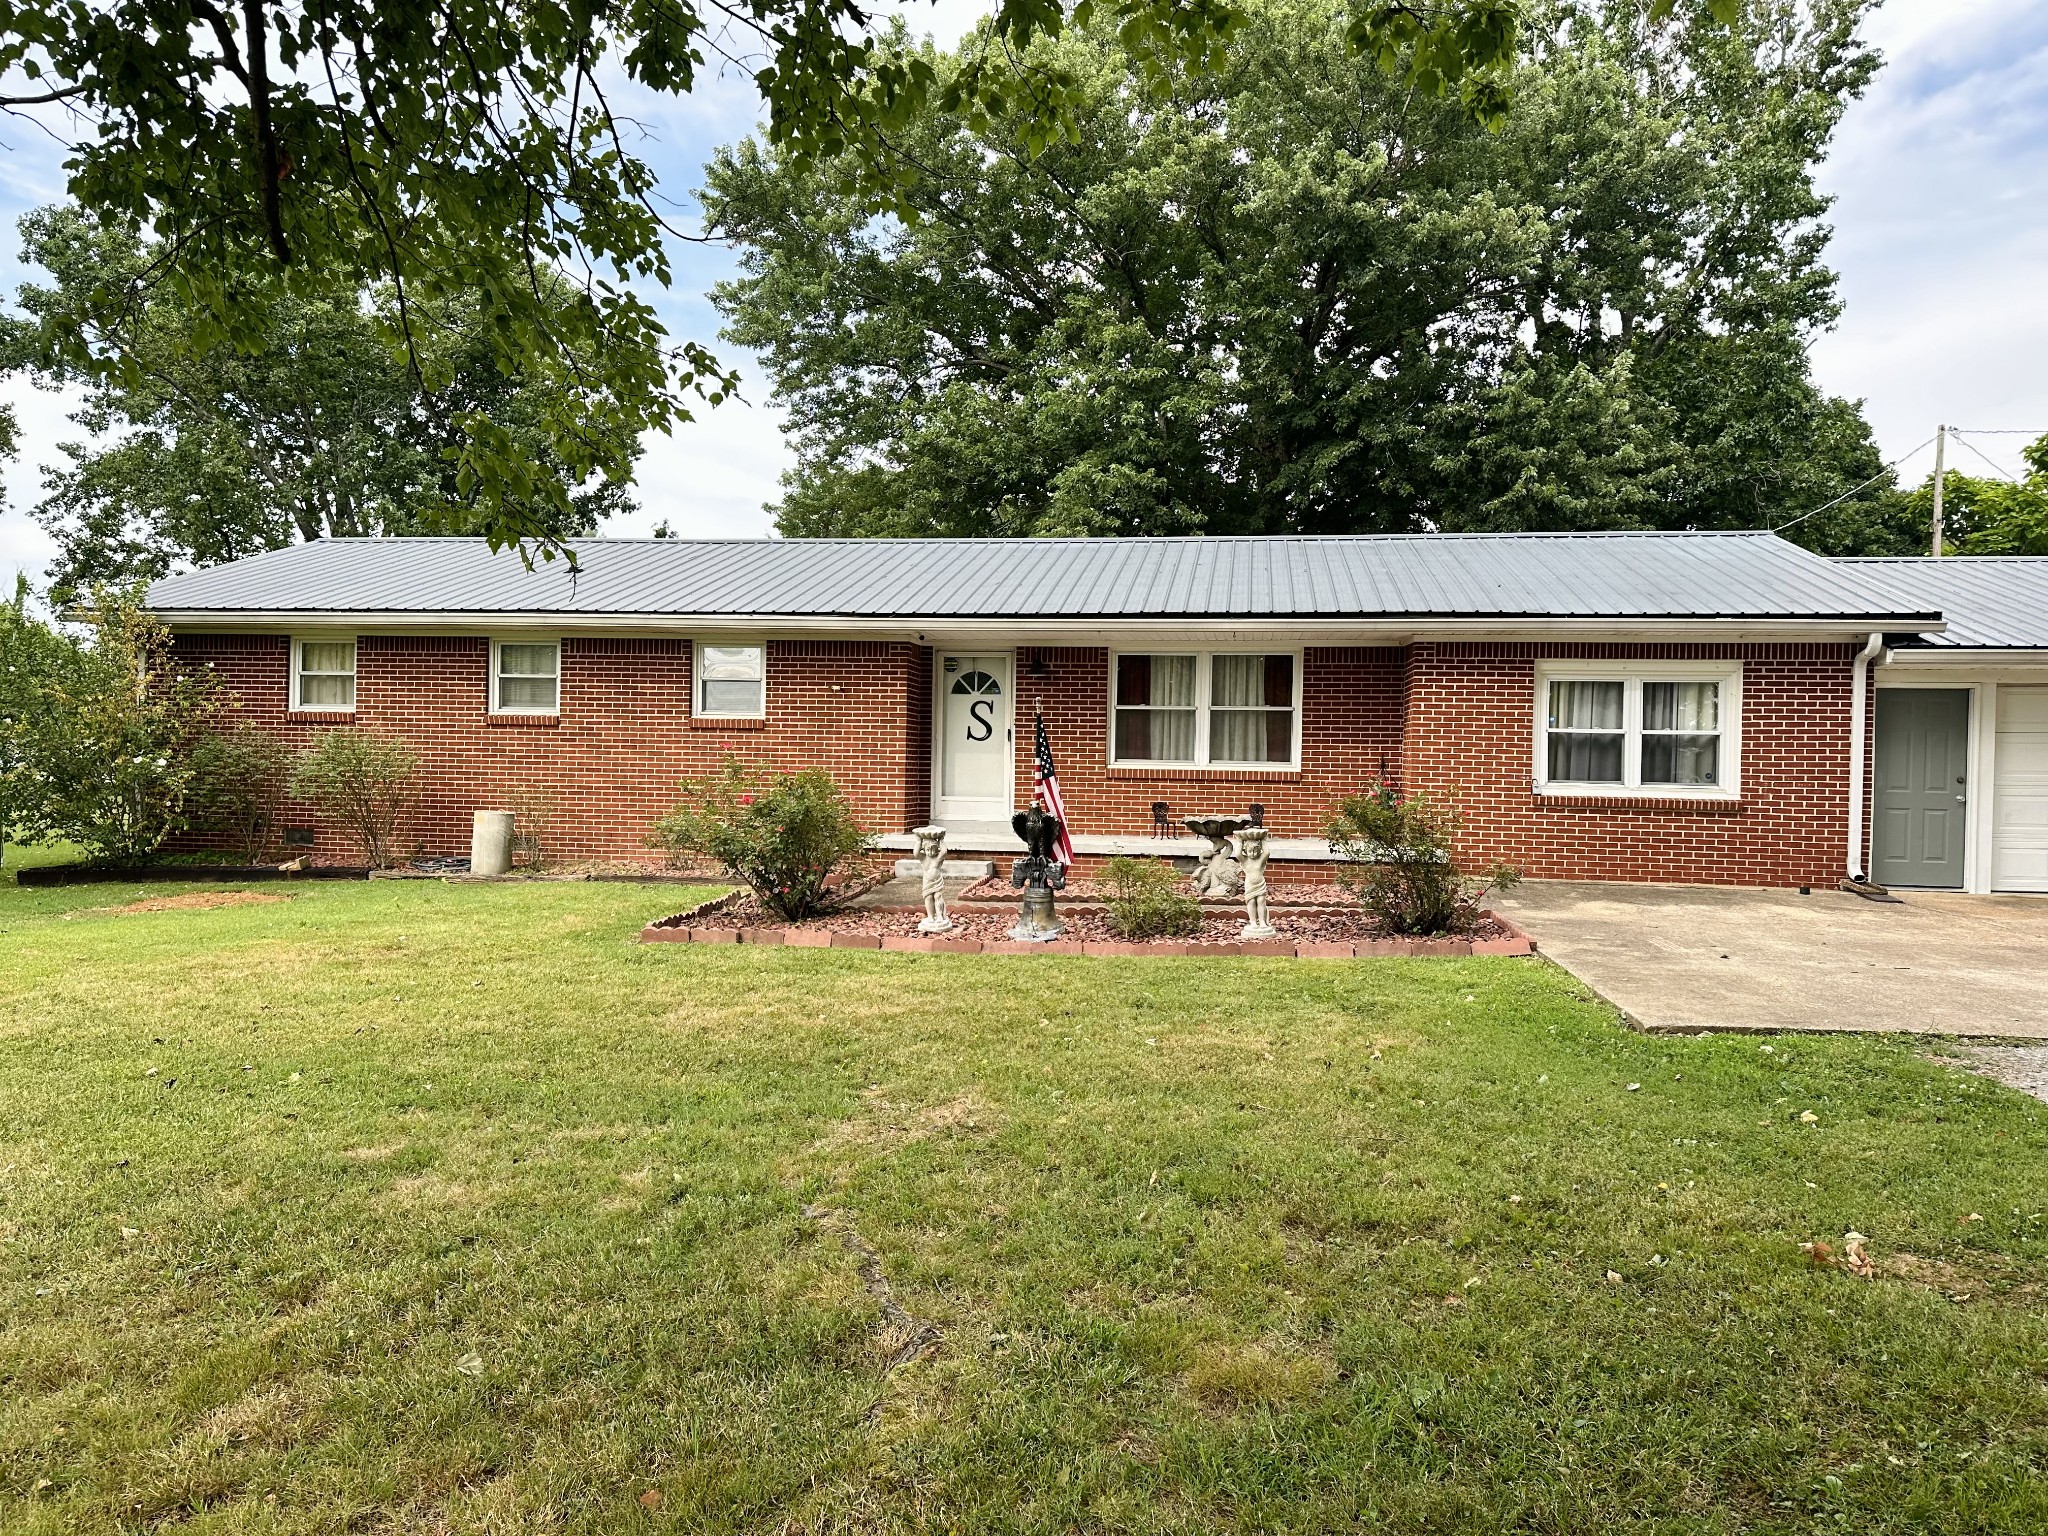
point(1859, 709)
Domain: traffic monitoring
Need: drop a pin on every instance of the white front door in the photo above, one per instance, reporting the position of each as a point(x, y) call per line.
point(973, 713)
point(2019, 828)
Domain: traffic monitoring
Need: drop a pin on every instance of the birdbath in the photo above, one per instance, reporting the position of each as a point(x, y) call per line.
point(1219, 873)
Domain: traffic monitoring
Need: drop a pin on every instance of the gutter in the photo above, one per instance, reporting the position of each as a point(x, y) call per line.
point(1084, 630)
point(1859, 710)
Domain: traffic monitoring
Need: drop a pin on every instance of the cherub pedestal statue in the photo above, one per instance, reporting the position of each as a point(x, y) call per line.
point(1251, 855)
point(931, 879)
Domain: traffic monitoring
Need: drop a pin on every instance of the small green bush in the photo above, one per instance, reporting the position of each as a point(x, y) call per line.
point(365, 782)
point(238, 779)
point(782, 834)
point(1402, 864)
point(1145, 902)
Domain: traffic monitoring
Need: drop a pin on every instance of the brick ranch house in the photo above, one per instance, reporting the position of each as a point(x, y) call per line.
point(1621, 706)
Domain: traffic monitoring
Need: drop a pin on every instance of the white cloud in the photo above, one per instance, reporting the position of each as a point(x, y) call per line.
point(1941, 228)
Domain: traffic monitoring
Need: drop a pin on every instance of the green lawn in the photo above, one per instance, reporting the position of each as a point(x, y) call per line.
point(412, 1207)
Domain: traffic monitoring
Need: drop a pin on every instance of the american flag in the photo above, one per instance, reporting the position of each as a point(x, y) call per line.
point(1045, 787)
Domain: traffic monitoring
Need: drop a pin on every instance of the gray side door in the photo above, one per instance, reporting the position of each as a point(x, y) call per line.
point(1923, 750)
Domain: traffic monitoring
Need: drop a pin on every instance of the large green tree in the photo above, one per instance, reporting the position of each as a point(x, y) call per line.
point(314, 429)
point(468, 152)
point(1295, 294)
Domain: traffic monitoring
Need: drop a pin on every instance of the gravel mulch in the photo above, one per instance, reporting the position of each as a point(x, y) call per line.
point(1081, 922)
point(1084, 888)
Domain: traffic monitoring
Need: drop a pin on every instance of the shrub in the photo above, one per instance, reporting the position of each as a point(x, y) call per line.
point(97, 734)
point(365, 782)
point(781, 834)
point(238, 779)
point(1402, 865)
point(1145, 902)
point(533, 818)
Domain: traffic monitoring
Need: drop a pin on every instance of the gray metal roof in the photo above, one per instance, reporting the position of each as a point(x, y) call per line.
point(1605, 576)
point(1990, 601)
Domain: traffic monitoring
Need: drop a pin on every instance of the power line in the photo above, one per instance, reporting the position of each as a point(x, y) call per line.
point(1895, 463)
point(2001, 471)
point(2003, 431)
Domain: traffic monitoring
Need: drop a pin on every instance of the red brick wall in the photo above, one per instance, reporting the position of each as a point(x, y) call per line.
point(624, 737)
point(1469, 734)
point(1350, 731)
point(1446, 718)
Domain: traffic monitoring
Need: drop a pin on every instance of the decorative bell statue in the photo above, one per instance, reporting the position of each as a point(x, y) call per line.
point(1038, 874)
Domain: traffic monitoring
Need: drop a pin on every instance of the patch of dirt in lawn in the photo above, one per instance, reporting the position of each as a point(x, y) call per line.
point(190, 901)
point(373, 1154)
point(430, 1189)
point(278, 1416)
point(884, 1126)
point(1991, 1280)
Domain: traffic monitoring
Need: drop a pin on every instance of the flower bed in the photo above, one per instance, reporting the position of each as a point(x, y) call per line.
point(1086, 888)
point(1305, 932)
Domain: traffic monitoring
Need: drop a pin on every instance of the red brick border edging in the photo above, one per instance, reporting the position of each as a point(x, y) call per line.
point(673, 930)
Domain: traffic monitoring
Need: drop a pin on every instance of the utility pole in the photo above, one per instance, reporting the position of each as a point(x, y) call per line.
point(1940, 443)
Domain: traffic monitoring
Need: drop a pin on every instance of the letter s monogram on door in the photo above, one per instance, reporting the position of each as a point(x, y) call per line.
point(981, 720)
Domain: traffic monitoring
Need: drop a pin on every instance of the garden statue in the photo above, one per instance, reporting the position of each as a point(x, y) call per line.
point(931, 879)
point(1038, 874)
point(1218, 873)
point(1251, 853)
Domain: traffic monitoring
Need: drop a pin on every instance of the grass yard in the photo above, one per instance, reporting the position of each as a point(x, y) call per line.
point(416, 1208)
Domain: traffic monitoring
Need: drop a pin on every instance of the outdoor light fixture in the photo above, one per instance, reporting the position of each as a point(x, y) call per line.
point(1257, 812)
point(1038, 668)
point(1159, 814)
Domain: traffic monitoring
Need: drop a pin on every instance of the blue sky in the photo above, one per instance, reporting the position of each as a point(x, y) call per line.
point(1940, 176)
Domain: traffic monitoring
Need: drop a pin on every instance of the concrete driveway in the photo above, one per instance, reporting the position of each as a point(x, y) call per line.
point(1700, 957)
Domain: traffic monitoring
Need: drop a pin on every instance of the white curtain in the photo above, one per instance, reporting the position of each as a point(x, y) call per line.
point(1252, 715)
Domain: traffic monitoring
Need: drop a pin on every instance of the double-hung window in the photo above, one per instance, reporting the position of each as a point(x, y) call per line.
point(526, 677)
point(324, 674)
point(1205, 709)
point(1655, 728)
point(732, 682)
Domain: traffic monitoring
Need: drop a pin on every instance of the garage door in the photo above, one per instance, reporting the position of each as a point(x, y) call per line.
point(2019, 835)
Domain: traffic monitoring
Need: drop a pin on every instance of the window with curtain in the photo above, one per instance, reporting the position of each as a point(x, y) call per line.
point(1586, 731)
point(1645, 730)
point(1204, 709)
point(732, 680)
point(1155, 709)
point(326, 675)
point(1251, 709)
point(1681, 733)
point(527, 678)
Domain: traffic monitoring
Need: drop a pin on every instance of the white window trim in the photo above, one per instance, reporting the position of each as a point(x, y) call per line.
point(298, 645)
point(1204, 666)
point(1632, 675)
point(697, 680)
point(499, 708)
